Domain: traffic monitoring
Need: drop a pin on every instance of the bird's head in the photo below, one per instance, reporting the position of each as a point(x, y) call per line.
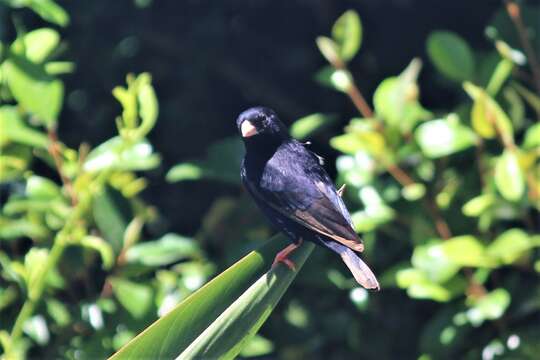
point(262, 125)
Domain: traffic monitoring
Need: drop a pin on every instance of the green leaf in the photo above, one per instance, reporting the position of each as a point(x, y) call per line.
point(49, 10)
point(16, 228)
point(340, 80)
point(429, 290)
point(236, 326)
point(433, 262)
point(102, 247)
point(329, 49)
point(451, 55)
point(34, 89)
point(347, 33)
point(222, 163)
point(442, 137)
point(532, 137)
point(487, 116)
point(360, 139)
point(308, 125)
point(38, 187)
point(478, 205)
point(500, 75)
point(112, 213)
point(37, 45)
point(14, 129)
point(136, 298)
point(34, 264)
point(414, 191)
point(257, 346)
point(186, 171)
point(396, 99)
point(531, 98)
point(58, 311)
point(168, 249)
point(489, 307)
point(174, 332)
point(149, 107)
point(119, 154)
point(465, 250)
point(510, 246)
point(509, 178)
point(59, 67)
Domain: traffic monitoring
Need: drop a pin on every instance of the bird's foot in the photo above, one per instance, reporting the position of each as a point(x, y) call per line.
point(282, 256)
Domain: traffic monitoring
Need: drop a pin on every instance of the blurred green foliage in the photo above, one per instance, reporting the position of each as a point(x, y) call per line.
point(447, 200)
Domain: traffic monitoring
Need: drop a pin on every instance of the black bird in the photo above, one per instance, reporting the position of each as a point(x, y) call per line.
point(294, 191)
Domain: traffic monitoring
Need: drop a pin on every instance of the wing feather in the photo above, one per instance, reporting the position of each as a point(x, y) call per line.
point(310, 200)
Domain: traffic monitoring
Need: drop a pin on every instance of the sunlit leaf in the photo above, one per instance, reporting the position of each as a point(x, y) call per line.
point(340, 80)
point(37, 45)
point(39, 187)
point(465, 250)
point(14, 129)
point(478, 205)
point(149, 108)
point(257, 346)
point(413, 192)
point(174, 332)
point(118, 154)
point(235, 327)
point(442, 137)
point(102, 247)
point(489, 307)
point(347, 33)
point(532, 137)
point(328, 48)
point(433, 262)
point(451, 55)
point(509, 178)
point(168, 249)
point(487, 116)
point(49, 10)
point(500, 75)
point(34, 89)
point(368, 140)
point(510, 246)
point(396, 99)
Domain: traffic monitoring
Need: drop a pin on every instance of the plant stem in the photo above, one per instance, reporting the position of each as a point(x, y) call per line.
point(37, 287)
point(514, 12)
point(55, 153)
point(34, 295)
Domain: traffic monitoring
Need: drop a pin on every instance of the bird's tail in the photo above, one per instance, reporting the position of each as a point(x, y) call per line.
point(359, 269)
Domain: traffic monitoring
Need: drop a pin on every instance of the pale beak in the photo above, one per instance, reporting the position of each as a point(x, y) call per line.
point(248, 129)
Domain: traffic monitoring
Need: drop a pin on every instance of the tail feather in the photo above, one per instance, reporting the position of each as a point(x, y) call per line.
point(359, 269)
point(361, 272)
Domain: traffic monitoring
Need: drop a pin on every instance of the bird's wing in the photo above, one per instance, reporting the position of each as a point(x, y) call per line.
point(307, 196)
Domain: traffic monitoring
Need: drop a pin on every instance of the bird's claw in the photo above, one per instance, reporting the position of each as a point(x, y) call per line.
point(287, 262)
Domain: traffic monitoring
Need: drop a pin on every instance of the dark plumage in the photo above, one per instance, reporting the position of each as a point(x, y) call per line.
point(294, 191)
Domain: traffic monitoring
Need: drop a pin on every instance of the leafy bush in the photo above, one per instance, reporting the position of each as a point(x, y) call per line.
point(447, 201)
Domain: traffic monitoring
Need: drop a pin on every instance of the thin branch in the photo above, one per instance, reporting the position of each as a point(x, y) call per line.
point(514, 12)
point(57, 157)
point(440, 223)
point(354, 92)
